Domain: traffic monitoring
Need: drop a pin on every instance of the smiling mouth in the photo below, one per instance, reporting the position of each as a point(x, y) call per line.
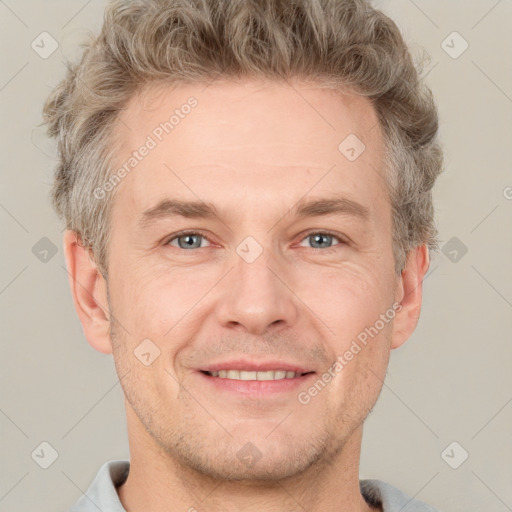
point(254, 375)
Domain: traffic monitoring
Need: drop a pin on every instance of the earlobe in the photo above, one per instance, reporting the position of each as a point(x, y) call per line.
point(89, 292)
point(409, 295)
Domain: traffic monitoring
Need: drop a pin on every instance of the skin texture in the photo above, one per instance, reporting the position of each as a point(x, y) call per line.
point(254, 149)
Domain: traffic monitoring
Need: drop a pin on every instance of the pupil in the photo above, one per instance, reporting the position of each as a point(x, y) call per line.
point(318, 238)
point(189, 240)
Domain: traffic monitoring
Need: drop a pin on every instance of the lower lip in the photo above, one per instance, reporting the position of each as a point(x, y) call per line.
point(257, 387)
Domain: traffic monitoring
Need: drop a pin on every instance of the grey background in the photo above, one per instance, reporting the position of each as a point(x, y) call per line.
point(450, 382)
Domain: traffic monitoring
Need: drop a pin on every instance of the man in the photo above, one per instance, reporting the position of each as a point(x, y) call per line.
point(247, 193)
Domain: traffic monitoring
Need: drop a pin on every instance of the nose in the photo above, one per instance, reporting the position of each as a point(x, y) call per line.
point(256, 296)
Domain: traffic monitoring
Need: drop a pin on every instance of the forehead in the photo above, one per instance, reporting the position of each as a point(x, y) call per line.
point(227, 141)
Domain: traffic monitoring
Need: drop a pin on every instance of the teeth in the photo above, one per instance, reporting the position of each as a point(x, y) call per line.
point(251, 375)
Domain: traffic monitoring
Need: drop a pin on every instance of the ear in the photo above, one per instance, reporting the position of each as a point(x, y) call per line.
point(409, 295)
point(89, 292)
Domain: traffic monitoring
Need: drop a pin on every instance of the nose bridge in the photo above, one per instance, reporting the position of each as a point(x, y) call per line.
point(256, 296)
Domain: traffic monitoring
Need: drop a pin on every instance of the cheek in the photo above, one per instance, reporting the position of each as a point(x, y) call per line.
point(142, 351)
point(164, 306)
point(359, 373)
point(154, 299)
point(348, 299)
point(356, 303)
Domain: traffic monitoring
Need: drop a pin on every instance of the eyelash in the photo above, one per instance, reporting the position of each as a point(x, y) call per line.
point(308, 234)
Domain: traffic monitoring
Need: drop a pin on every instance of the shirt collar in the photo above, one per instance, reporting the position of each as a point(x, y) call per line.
point(102, 493)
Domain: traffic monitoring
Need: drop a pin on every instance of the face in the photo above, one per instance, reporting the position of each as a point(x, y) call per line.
point(279, 266)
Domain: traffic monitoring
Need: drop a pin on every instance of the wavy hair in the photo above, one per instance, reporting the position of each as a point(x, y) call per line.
point(342, 44)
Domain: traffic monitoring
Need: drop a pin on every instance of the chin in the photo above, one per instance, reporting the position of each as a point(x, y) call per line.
point(256, 461)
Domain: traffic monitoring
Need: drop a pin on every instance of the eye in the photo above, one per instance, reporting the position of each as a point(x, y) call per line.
point(320, 240)
point(323, 240)
point(187, 240)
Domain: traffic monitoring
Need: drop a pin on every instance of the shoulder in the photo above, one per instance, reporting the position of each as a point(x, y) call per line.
point(391, 499)
point(102, 492)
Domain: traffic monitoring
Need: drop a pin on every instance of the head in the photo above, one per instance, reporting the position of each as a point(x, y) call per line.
point(248, 112)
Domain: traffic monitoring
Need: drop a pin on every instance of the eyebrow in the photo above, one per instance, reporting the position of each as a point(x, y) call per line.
point(204, 210)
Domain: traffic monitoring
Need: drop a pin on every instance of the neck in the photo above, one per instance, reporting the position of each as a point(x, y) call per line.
point(158, 483)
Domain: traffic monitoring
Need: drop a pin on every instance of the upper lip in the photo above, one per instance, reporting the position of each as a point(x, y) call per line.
point(255, 366)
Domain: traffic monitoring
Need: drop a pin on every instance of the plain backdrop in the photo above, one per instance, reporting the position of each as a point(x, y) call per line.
point(448, 392)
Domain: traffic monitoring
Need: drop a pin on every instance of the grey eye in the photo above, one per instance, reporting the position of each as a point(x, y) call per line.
point(321, 240)
point(187, 241)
